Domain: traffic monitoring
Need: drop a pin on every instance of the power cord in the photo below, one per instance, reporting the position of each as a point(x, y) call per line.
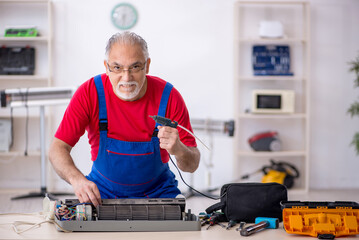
point(194, 136)
point(168, 122)
point(16, 224)
point(24, 98)
point(12, 127)
point(205, 195)
point(27, 122)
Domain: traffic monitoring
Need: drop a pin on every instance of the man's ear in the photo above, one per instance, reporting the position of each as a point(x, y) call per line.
point(107, 70)
point(148, 65)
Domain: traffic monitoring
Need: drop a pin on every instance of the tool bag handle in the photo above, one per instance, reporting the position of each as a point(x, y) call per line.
point(215, 207)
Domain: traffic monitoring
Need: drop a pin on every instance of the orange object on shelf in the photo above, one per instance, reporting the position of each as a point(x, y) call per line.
point(321, 219)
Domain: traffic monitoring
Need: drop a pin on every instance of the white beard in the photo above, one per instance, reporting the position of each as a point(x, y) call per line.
point(128, 95)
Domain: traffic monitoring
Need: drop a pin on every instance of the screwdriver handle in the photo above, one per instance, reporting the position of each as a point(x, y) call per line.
point(254, 228)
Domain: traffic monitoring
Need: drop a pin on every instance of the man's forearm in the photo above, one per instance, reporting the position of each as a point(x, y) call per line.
point(188, 159)
point(63, 163)
point(60, 157)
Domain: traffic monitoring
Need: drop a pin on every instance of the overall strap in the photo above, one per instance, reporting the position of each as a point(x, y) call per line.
point(102, 103)
point(163, 105)
point(164, 100)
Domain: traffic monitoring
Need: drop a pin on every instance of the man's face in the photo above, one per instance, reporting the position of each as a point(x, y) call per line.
point(127, 69)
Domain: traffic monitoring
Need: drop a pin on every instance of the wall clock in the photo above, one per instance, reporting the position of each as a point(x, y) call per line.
point(124, 16)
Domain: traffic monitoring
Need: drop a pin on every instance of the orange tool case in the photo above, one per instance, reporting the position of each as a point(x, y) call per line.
point(324, 220)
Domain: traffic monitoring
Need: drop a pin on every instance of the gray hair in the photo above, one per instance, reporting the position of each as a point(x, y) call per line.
point(129, 38)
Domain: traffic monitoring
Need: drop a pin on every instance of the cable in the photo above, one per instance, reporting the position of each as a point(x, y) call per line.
point(38, 224)
point(12, 127)
point(193, 136)
point(24, 97)
point(205, 195)
point(168, 122)
point(18, 223)
point(27, 122)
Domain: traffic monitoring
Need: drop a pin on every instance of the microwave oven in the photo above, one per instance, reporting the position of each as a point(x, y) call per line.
point(273, 101)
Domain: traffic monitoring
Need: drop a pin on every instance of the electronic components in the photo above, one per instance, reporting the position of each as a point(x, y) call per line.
point(79, 212)
point(84, 212)
point(153, 214)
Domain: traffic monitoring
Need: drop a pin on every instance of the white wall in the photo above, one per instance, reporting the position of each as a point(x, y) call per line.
point(191, 44)
point(335, 42)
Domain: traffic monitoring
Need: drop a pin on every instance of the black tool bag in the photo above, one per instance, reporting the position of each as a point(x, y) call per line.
point(246, 201)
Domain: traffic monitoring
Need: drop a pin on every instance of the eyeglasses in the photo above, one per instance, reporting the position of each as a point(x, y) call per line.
point(135, 68)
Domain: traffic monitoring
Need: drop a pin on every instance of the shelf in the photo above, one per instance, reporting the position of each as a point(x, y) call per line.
point(272, 154)
point(295, 18)
point(20, 113)
point(272, 116)
point(38, 103)
point(272, 2)
point(24, 1)
point(23, 77)
point(24, 39)
point(19, 154)
point(271, 78)
point(272, 40)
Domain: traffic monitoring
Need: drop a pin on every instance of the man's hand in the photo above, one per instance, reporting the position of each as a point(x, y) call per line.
point(87, 191)
point(169, 140)
point(187, 157)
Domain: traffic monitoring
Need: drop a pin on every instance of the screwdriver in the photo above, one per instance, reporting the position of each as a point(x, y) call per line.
point(260, 223)
point(214, 219)
point(231, 223)
point(241, 225)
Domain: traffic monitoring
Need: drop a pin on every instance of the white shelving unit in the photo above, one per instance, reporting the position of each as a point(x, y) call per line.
point(35, 13)
point(24, 13)
point(293, 128)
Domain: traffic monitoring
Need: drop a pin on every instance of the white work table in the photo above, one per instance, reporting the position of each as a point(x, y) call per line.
point(48, 231)
point(196, 204)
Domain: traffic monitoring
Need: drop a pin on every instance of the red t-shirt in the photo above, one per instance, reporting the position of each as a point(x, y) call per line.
point(127, 121)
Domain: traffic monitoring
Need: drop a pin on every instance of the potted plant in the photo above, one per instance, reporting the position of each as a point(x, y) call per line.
point(354, 107)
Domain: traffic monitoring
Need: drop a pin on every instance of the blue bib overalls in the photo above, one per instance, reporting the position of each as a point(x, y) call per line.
point(131, 169)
